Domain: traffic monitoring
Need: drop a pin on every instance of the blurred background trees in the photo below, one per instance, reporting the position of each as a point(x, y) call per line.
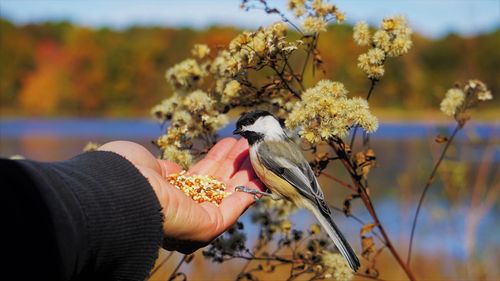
point(57, 68)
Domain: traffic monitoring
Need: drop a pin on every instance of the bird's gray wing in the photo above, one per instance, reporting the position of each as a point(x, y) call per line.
point(285, 159)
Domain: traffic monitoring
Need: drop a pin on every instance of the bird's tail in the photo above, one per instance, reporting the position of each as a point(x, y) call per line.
point(339, 240)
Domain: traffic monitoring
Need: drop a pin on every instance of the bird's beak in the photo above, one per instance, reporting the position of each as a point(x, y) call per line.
point(237, 132)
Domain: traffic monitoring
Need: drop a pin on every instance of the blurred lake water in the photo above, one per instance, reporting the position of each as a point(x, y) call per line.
point(405, 152)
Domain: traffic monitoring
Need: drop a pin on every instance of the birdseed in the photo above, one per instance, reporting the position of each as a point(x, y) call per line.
point(199, 188)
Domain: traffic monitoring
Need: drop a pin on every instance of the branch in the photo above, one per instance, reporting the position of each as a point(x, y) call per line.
point(340, 182)
point(424, 192)
point(161, 264)
point(172, 276)
point(365, 197)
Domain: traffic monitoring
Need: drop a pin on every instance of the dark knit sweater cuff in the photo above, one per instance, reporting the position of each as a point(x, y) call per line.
point(110, 206)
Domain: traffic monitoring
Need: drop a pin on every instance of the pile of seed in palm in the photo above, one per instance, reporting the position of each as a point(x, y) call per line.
point(199, 188)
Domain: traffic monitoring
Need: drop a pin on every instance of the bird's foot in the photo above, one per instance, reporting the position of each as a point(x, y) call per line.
point(254, 192)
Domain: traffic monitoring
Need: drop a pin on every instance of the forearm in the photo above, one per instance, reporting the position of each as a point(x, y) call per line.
point(101, 215)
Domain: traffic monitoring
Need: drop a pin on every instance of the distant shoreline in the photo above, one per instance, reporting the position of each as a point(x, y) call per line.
point(385, 115)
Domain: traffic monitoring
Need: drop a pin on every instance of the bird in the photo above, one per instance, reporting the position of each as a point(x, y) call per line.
point(280, 165)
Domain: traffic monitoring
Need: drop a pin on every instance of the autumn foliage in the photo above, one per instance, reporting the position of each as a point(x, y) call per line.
point(57, 68)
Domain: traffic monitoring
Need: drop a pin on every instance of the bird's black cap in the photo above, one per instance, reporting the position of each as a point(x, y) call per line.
point(249, 118)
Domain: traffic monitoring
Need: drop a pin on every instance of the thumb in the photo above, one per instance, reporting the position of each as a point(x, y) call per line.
point(168, 167)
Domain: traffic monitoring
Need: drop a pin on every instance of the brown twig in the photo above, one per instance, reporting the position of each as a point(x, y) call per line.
point(343, 183)
point(172, 276)
point(365, 197)
point(161, 263)
point(312, 46)
point(426, 187)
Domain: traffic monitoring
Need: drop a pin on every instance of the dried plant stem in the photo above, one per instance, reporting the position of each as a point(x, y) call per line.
point(365, 197)
point(172, 276)
point(312, 46)
point(284, 81)
point(343, 183)
point(294, 75)
point(161, 263)
point(427, 185)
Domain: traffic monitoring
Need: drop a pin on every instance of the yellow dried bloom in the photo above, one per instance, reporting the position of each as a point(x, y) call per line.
point(382, 40)
point(322, 9)
point(180, 156)
point(325, 111)
point(166, 108)
point(182, 117)
point(376, 71)
point(340, 16)
point(361, 34)
point(225, 64)
point(479, 89)
point(393, 39)
point(258, 43)
point(375, 56)
point(239, 40)
point(336, 266)
point(453, 99)
point(315, 228)
point(185, 75)
point(394, 23)
point(200, 50)
point(297, 6)
point(370, 64)
point(286, 226)
point(401, 45)
point(314, 24)
point(279, 29)
point(214, 120)
point(197, 101)
point(335, 89)
point(483, 96)
point(399, 36)
point(90, 146)
point(231, 91)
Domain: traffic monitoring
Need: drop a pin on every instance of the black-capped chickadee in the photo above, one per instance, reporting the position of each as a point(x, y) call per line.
point(280, 165)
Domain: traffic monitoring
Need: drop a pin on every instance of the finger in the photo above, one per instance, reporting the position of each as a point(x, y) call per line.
point(168, 167)
point(233, 160)
point(217, 153)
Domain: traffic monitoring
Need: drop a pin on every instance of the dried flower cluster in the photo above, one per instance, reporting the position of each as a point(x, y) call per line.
point(199, 188)
point(307, 252)
point(185, 75)
point(213, 82)
point(91, 146)
point(326, 111)
point(336, 266)
point(200, 51)
point(391, 40)
point(460, 99)
point(191, 115)
point(316, 14)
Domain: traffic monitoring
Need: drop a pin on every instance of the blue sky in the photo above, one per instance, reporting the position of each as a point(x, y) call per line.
point(430, 17)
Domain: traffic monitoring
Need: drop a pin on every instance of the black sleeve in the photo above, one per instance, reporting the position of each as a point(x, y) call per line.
point(93, 217)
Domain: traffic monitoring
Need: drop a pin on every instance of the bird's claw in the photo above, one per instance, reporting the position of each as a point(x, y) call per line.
point(254, 192)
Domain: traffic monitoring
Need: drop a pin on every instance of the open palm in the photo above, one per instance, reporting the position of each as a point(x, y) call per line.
point(189, 225)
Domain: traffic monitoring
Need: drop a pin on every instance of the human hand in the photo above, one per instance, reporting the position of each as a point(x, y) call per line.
point(189, 225)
